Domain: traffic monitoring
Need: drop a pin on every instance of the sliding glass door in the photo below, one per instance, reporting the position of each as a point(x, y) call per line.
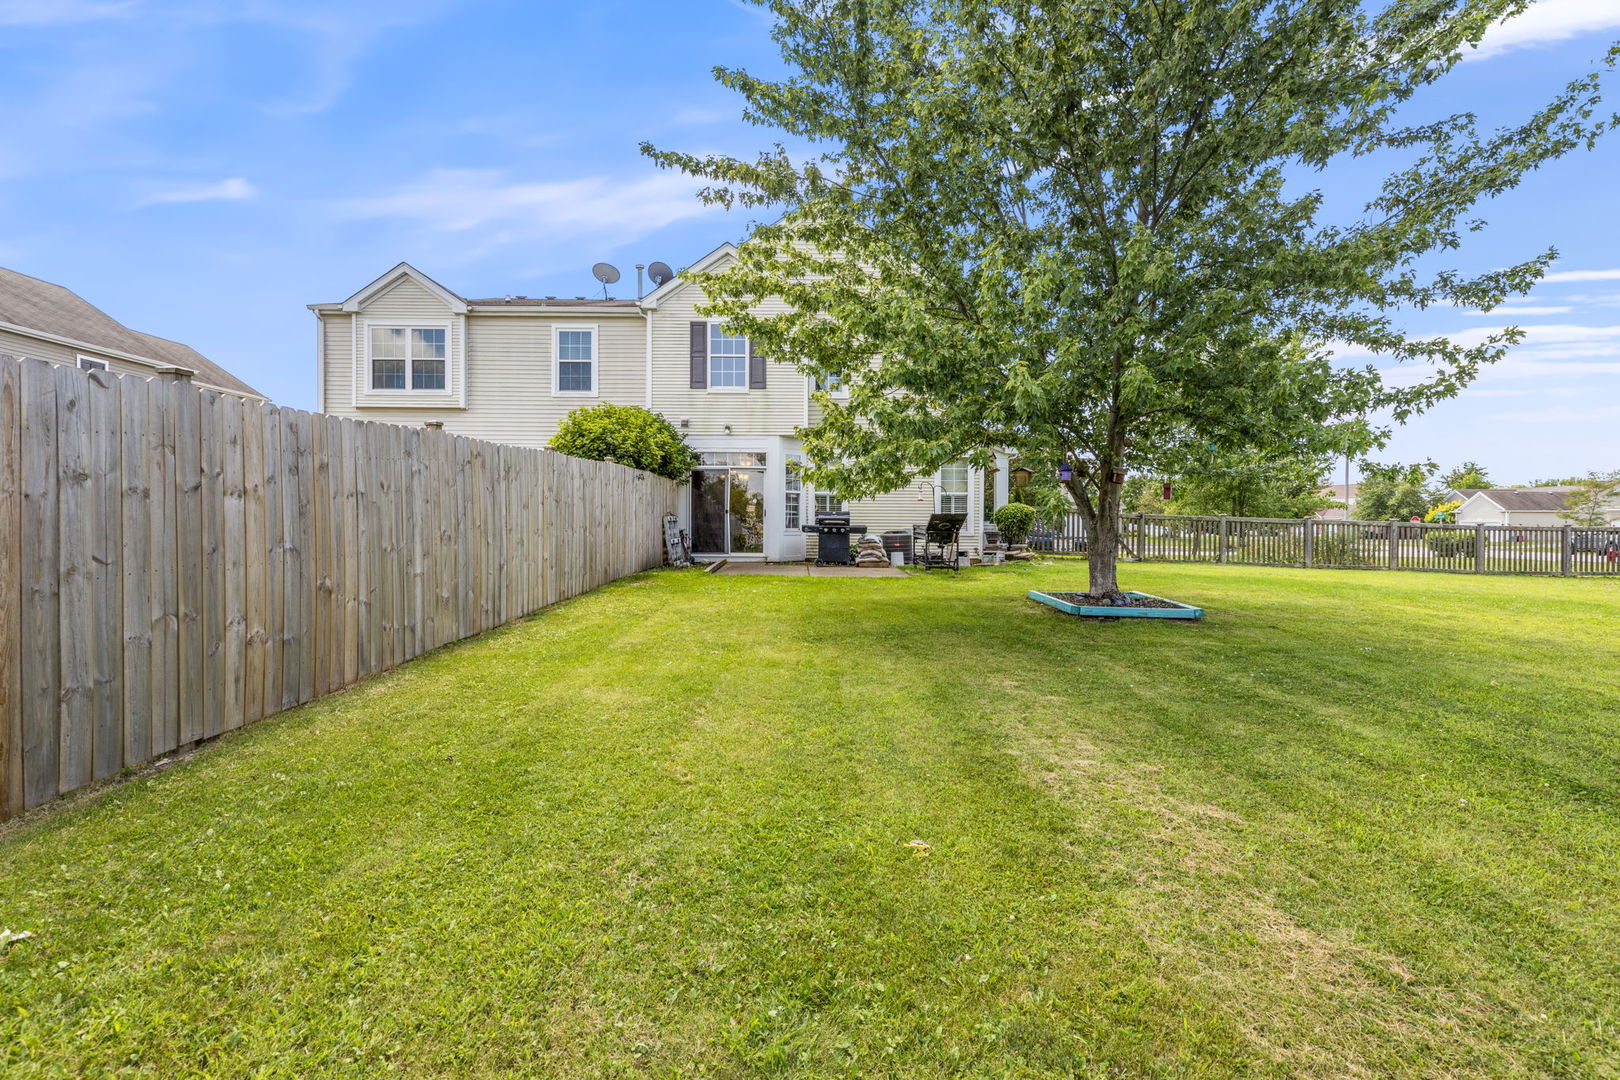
point(728, 504)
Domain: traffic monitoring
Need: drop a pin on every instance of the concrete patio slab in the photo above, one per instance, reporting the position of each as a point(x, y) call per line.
point(807, 570)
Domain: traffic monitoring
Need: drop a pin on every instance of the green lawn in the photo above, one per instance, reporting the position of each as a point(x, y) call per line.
point(1352, 825)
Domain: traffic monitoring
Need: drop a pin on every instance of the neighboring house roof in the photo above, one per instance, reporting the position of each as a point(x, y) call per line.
point(1336, 491)
point(1527, 500)
point(31, 306)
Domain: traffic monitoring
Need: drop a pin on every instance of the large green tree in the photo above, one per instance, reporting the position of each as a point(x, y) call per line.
point(1087, 231)
point(1394, 492)
point(1251, 483)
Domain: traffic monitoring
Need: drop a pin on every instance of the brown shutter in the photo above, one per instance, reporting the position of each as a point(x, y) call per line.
point(700, 355)
point(756, 368)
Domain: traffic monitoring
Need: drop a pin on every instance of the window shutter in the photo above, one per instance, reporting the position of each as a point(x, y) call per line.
point(756, 368)
point(700, 355)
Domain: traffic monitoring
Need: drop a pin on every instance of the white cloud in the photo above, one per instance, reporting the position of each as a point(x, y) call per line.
point(1512, 311)
point(1549, 22)
point(695, 116)
point(1561, 414)
point(1580, 275)
point(54, 12)
point(503, 211)
point(234, 187)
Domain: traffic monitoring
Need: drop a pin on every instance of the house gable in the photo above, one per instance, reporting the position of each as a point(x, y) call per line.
point(398, 277)
point(714, 260)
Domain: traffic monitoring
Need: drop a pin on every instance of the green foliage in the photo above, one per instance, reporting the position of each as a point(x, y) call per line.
point(1341, 547)
point(1470, 474)
point(1250, 483)
point(1075, 230)
point(1595, 500)
point(1393, 492)
point(1051, 502)
point(1015, 520)
point(629, 435)
point(1449, 543)
point(1446, 511)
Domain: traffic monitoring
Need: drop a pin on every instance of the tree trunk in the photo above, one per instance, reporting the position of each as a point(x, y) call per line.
point(1102, 546)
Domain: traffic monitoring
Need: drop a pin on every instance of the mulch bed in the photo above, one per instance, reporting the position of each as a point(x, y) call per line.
point(1090, 600)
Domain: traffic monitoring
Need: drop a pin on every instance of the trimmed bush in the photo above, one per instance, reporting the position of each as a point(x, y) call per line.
point(1015, 520)
point(629, 435)
point(1450, 543)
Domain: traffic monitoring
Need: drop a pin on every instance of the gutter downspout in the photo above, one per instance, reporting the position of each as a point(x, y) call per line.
point(647, 313)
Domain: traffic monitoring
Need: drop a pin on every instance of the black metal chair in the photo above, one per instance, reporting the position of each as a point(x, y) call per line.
point(938, 544)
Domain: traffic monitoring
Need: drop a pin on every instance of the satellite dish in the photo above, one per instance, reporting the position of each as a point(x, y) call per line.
point(606, 273)
point(660, 273)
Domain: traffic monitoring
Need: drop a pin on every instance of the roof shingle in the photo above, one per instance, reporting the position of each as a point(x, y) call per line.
point(51, 309)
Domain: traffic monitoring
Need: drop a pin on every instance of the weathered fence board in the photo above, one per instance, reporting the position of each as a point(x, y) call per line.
point(176, 563)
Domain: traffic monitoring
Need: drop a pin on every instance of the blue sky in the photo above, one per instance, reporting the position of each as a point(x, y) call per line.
point(202, 169)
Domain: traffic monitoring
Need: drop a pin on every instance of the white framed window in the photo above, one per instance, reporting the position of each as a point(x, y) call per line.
point(829, 503)
point(573, 369)
point(792, 494)
point(832, 384)
point(90, 363)
point(408, 358)
point(953, 488)
point(728, 359)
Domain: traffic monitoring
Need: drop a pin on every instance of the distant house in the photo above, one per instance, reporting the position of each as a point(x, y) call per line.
point(1339, 493)
point(1517, 506)
point(46, 321)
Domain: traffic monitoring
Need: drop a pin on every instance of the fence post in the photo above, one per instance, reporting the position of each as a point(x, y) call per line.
point(1479, 547)
point(1221, 556)
point(1141, 537)
point(1394, 545)
point(1308, 537)
point(1566, 552)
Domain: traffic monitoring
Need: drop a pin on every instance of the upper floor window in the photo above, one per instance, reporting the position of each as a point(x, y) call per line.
point(407, 358)
point(576, 360)
point(953, 488)
point(728, 359)
point(831, 384)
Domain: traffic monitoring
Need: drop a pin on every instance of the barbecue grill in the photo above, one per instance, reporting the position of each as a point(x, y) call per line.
point(834, 530)
point(938, 544)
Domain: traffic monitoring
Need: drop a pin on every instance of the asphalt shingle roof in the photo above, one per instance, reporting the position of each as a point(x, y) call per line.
point(39, 305)
point(1528, 500)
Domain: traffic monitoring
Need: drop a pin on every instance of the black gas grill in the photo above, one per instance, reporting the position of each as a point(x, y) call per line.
point(834, 530)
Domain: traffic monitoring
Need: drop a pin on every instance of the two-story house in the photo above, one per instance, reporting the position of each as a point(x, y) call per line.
point(407, 350)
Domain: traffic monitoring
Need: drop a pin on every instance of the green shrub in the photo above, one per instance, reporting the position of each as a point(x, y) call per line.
point(1015, 520)
point(1450, 543)
point(629, 435)
point(1341, 547)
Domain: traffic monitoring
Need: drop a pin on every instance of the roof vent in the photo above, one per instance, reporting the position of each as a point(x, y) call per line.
point(551, 298)
point(508, 298)
point(520, 296)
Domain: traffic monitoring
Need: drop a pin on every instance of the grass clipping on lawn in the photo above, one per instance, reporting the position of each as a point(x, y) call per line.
point(1351, 825)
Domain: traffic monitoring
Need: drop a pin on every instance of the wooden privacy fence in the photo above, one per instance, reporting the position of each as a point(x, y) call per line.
point(175, 563)
point(1370, 545)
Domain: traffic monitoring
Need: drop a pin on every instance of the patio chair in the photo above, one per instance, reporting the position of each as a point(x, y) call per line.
point(937, 544)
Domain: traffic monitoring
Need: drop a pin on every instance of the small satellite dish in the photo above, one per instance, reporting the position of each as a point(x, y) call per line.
point(606, 273)
point(660, 273)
